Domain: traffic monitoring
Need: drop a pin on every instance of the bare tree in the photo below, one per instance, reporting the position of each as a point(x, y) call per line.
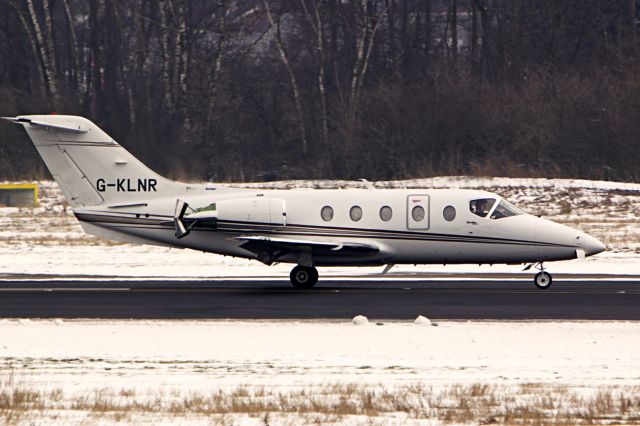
point(74, 74)
point(364, 47)
point(369, 87)
point(32, 43)
point(292, 77)
point(633, 26)
point(485, 22)
point(316, 25)
point(216, 68)
point(49, 34)
point(454, 28)
point(166, 54)
point(474, 34)
point(46, 55)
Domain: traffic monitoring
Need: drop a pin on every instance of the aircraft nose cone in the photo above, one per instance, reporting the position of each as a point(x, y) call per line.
point(591, 245)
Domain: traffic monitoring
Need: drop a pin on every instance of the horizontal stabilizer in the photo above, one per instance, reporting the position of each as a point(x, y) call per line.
point(181, 229)
point(22, 120)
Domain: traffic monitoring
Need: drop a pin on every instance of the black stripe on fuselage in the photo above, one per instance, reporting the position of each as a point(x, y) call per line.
point(307, 230)
point(88, 143)
point(229, 226)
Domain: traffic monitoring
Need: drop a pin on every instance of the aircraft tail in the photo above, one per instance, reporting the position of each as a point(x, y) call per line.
point(90, 167)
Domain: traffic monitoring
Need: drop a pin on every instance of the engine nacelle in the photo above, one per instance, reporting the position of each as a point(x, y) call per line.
point(255, 210)
point(262, 210)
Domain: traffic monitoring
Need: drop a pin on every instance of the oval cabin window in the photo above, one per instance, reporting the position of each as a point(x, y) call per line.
point(355, 213)
point(326, 213)
point(417, 213)
point(386, 213)
point(449, 213)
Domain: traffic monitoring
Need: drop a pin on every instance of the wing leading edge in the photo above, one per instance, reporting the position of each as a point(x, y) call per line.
point(22, 120)
point(269, 249)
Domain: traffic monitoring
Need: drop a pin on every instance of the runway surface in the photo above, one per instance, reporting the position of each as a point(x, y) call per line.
point(335, 299)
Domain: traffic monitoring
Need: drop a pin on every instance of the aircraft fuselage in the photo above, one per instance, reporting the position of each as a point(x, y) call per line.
point(297, 214)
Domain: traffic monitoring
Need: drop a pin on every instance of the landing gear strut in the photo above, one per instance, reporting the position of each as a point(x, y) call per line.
point(543, 279)
point(304, 276)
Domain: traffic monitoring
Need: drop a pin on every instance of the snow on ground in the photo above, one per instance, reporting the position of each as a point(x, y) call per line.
point(170, 360)
point(48, 240)
point(276, 372)
point(211, 354)
point(149, 262)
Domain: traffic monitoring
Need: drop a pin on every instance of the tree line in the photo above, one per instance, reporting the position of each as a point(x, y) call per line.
point(381, 89)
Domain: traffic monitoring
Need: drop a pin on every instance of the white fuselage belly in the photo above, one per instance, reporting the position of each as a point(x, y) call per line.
point(465, 239)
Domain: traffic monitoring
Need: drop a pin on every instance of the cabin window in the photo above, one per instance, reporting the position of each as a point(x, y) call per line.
point(386, 213)
point(417, 213)
point(449, 213)
point(355, 213)
point(482, 206)
point(505, 209)
point(326, 213)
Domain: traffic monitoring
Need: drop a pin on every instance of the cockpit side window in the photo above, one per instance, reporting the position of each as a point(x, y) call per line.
point(505, 209)
point(482, 206)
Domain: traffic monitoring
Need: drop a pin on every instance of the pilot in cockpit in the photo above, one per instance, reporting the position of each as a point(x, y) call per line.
point(481, 207)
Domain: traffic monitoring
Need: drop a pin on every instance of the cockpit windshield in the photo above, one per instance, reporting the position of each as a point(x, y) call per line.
point(481, 207)
point(505, 209)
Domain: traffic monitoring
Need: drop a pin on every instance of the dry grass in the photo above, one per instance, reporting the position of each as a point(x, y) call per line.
point(527, 404)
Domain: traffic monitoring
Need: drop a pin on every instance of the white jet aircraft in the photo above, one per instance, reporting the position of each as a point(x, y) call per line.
point(115, 196)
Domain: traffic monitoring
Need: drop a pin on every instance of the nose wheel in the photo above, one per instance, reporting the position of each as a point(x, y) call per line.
point(304, 276)
point(543, 280)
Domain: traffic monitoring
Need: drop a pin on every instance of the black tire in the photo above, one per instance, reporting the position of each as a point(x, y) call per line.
point(543, 280)
point(303, 276)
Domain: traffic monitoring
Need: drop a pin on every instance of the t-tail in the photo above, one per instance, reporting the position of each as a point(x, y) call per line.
point(90, 167)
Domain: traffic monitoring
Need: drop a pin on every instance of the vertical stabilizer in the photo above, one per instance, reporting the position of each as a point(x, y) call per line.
point(90, 167)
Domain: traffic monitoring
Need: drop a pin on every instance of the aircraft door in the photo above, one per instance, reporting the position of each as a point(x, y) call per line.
point(418, 212)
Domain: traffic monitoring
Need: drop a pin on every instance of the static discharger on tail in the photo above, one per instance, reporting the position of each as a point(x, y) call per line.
point(115, 196)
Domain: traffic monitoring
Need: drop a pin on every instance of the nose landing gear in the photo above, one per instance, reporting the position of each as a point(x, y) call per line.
point(542, 279)
point(304, 276)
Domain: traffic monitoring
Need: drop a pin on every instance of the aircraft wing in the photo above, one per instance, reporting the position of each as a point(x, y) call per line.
point(261, 243)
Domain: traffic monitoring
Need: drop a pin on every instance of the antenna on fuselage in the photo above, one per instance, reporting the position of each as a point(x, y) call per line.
point(367, 184)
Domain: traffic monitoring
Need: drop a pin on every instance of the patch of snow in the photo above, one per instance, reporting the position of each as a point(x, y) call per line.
point(468, 182)
point(210, 355)
point(422, 320)
point(360, 320)
point(9, 210)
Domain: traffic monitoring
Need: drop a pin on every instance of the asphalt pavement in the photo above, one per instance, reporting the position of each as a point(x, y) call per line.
point(491, 299)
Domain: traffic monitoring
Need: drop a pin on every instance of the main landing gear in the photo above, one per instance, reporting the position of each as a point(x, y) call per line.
point(304, 276)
